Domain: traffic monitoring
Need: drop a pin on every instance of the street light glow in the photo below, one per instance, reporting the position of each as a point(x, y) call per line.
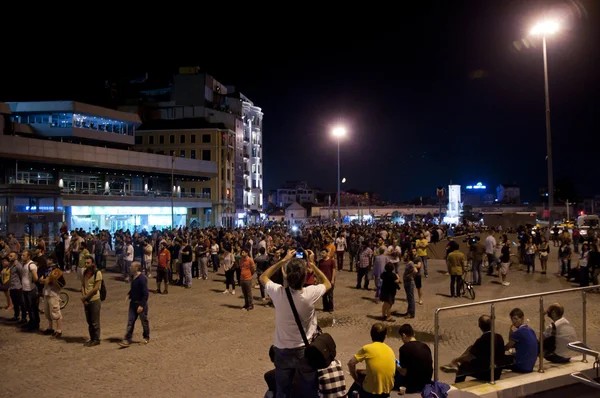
point(545, 28)
point(339, 131)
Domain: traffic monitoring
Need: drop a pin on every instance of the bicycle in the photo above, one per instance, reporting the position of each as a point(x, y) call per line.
point(465, 288)
point(63, 300)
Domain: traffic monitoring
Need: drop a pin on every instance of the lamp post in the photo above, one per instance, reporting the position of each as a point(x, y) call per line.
point(339, 132)
point(544, 29)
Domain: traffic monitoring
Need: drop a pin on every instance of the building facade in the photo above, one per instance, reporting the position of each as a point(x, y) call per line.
point(72, 162)
point(292, 192)
point(508, 194)
point(192, 93)
point(197, 139)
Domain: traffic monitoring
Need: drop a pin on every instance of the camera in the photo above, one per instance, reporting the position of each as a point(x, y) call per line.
point(300, 253)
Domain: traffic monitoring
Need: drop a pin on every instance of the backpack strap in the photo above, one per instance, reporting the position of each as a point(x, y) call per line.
point(296, 316)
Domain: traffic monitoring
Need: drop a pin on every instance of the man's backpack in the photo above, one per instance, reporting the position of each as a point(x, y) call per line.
point(102, 288)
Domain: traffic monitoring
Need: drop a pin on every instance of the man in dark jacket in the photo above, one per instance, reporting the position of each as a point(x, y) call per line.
point(138, 306)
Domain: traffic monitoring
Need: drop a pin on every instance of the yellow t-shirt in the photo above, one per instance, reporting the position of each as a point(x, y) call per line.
point(381, 367)
point(422, 247)
point(90, 282)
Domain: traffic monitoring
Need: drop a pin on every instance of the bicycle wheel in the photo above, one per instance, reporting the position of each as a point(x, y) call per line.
point(471, 292)
point(462, 287)
point(63, 300)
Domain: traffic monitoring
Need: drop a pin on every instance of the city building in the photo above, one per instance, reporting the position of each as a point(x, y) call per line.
point(508, 194)
point(195, 138)
point(477, 195)
point(292, 192)
point(295, 213)
point(72, 162)
point(191, 93)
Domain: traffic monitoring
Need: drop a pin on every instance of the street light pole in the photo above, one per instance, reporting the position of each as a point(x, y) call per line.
point(339, 178)
point(548, 138)
point(172, 190)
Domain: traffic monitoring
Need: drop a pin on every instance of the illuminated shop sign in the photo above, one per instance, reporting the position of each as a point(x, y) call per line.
point(476, 186)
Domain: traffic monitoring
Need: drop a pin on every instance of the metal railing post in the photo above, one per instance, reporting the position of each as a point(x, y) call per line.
point(493, 343)
point(541, 359)
point(584, 299)
point(436, 345)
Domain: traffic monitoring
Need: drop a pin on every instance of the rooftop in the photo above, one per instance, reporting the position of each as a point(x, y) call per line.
point(75, 107)
point(180, 124)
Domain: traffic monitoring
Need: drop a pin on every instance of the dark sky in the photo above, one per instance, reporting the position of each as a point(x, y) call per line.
point(431, 92)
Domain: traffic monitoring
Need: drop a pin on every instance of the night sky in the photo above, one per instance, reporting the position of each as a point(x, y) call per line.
point(444, 90)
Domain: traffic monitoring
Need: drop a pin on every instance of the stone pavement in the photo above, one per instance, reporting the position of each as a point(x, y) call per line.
point(203, 345)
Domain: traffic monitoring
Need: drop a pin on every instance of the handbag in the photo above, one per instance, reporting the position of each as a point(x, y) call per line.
point(322, 350)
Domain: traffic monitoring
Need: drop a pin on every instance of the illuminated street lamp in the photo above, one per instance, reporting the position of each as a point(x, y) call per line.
point(545, 28)
point(339, 132)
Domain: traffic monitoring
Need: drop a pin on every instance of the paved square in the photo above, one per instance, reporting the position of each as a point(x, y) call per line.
point(203, 345)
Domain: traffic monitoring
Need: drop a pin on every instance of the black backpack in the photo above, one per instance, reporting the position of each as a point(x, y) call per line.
point(102, 288)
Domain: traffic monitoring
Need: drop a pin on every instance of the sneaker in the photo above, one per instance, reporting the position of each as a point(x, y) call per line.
point(165, 292)
point(226, 291)
point(199, 278)
point(145, 341)
point(421, 302)
point(91, 343)
point(426, 276)
point(233, 292)
point(158, 292)
point(244, 309)
point(505, 283)
point(57, 335)
point(48, 332)
point(125, 343)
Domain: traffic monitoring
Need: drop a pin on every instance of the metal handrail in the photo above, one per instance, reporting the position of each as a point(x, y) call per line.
point(492, 303)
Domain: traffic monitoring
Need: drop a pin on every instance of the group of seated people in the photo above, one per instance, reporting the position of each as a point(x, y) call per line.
point(523, 347)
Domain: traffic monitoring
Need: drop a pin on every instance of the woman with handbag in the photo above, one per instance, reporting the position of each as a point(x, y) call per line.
point(295, 324)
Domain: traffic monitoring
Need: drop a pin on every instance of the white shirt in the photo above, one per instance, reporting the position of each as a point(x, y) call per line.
point(214, 249)
point(129, 252)
point(287, 334)
point(340, 244)
point(565, 334)
point(392, 249)
point(262, 243)
point(27, 281)
point(490, 244)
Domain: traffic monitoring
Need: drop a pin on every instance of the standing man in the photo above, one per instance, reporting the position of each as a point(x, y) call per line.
point(127, 258)
point(138, 305)
point(30, 291)
point(162, 271)
point(422, 245)
point(340, 246)
point(15, 288)
point(90, 297)
point(456, 268)
point(477, 251)
point(365, 263)
point(327, 267)
point(247, 269)
point(186, 261)
point(353, 248)
point(490, 246)
point(505, 262)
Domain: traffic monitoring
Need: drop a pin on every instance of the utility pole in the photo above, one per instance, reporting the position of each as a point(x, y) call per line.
point(172, 189)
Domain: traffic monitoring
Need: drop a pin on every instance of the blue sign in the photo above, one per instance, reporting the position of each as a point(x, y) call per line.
point(476, 186)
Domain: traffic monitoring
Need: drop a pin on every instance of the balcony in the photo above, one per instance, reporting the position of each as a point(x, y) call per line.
point(246, 155)
point(246, 172)
point(120, 193)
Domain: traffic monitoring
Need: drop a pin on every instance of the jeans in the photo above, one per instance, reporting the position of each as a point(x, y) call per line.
point(126, 265)
point(215, 260)
point(92, 316)
point(530, 258)
point(492, 261)
point(353, 260)
point(584, 276)
point(260, 285)
point(16, 296)
point(409, 288)
point(455, 285)
point(424, 261)
point(477, 271)
point(147, 264)
point(362, 272)
point(195, 269)
point(288, 362)
point(247, 292)
point(133, 316)
point(187, 274)
point(340, 260)
point(203, 267)
point(229, 279)
point(31, 305)
point(75, 258)
point(99, 261)
point(328, 300)
point(565, 268)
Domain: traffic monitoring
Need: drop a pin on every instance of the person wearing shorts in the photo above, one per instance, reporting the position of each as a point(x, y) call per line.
point(505, 263)
point(52, 285)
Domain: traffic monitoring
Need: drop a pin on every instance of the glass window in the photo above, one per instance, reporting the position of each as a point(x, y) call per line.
point(21, 204)
point(139, 140)
point(46, 205)
point(253, 168)
point(206, 192)
point(206, 138)
point(182, 139)
point(206, 154)
point(193, 153)
point(182, 153)
point(171, 139)
point(193, 190)
point(161, 139)
point(151, 140)
point(193, 138)
point(194, 211)
point(172, 152)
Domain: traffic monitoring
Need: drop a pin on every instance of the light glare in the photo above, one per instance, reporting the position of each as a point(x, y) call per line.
point(339, 131)
point(545, 28)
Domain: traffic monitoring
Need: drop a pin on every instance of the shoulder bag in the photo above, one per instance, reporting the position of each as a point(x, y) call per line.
point(322, 350)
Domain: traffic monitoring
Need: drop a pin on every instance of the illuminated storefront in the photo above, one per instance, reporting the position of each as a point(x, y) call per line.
point(131, 218)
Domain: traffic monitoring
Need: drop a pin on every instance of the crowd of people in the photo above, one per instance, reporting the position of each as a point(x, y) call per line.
point(306, 260)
